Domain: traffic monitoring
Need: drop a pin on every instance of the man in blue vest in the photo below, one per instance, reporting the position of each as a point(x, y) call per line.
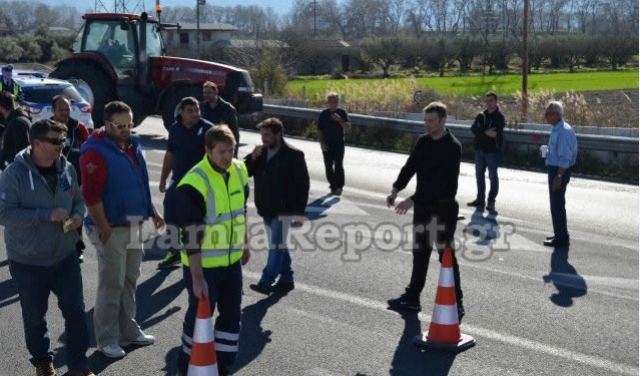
point(116, 190)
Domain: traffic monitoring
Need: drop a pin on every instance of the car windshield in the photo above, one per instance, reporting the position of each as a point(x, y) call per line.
point(45, 93)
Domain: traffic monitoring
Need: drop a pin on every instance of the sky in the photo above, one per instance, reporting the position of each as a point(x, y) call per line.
point(280, 6)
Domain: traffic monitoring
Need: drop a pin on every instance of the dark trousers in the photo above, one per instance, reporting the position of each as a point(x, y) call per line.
point(486, 161)
point(170, 206)
point(425, 220)
point(557, 203)
point(34, 284)
point(225, 292)
point(333, 167)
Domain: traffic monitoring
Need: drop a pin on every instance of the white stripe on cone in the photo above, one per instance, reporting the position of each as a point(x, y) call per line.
point(211, 370)
point(446, 278)
point(445, 314)
point(203, 332)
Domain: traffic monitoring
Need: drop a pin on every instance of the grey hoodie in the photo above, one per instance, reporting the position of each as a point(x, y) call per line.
point(26, 202)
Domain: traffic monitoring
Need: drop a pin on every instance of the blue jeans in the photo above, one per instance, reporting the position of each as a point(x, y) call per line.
point(279, 259)
point(34, 284)
point(484, 161)
point(557, 203)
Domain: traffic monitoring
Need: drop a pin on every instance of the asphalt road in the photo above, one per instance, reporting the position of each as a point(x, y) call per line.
point(532, 311)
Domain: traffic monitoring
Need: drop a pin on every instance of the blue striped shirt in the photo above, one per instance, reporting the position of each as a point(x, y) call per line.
point(563, 146)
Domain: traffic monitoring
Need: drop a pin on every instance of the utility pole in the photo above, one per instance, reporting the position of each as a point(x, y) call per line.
point(198, 3)
point(525, 62)
point(314, 5)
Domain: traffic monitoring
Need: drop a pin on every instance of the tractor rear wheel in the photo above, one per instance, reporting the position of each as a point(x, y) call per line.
point(93, 84)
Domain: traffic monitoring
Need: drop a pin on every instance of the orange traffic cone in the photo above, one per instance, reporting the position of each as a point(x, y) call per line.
point(444, 330)
point(203, 350)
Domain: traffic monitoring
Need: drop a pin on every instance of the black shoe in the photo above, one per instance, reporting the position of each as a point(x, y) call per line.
point(262, 289)
point(171, 259)
point(476, 203)
point(460, 312)
point(491, 207)
point(551, 237)
point(553, 243)
point(404, 303)
point(283, 287)
point(337, 192)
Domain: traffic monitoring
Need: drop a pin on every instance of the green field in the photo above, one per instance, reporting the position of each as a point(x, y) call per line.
point(477, 85)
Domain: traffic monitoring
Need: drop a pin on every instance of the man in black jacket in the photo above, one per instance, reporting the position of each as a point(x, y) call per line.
point(219, 111)
point(16, 131)
point(435, 159)
point(281, 194)
point(488, 130)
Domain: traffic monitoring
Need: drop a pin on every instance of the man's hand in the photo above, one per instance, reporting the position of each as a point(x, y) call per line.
point(391, 199)
point(557, 184)
point(104, 234)
point(158, 221)
point(59, 215)
point(163, 185)
point(77, 222)
point(200, 288)
point(257, 152)
point(336, 117)
point(491, 133)
point(404, 206)
point(246, 255)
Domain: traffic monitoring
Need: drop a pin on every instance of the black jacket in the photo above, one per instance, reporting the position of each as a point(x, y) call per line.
point(484, 121)
point(282, 184)
point(437, 166)
point(15, 136)
point(223, 113)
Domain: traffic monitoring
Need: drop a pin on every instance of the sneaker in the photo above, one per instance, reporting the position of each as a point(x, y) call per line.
point(404, 302)
point(45, 369)
point(337, 192)
point(171, 259)
point(262, 289)
point(142, 340)
point(476, 203)
point(113, 351)
point(80, 372)
point(283, 287)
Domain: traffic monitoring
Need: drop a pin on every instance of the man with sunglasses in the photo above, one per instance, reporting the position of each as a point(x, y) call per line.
point(41, 208)
point(116, 190)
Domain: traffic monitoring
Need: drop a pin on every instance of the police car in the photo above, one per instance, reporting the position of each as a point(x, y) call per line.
point(38, 93)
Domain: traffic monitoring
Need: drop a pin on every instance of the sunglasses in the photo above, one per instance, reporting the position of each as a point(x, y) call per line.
point(121, 126)
point(53, 141)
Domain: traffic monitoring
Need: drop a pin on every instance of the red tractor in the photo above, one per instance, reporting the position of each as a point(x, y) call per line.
point(121, 57)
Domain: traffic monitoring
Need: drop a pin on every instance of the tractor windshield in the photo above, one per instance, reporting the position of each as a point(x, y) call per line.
point(115, 40)
point(154, 43)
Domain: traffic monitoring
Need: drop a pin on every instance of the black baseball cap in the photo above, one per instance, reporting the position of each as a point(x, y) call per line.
point(8, 68)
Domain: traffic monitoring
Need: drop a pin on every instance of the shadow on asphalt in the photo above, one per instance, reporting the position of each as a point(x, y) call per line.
point(8, 292)
point(409, 360)
point(321, 205)
point(565, 278)
point(253, 337)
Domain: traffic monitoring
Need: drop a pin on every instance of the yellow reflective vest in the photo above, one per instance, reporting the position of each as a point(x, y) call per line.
point(225, 223)
point(16, 88)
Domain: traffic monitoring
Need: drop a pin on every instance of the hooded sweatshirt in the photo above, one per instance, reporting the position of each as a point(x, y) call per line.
point(26, 202)
point(15, 136)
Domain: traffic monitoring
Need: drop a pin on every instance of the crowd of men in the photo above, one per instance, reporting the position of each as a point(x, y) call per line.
point(58, 178)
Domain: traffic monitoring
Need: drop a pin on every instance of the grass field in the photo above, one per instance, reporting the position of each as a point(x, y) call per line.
point(476, 85)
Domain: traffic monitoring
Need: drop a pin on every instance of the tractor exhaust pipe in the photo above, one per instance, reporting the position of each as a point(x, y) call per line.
point(143, 57)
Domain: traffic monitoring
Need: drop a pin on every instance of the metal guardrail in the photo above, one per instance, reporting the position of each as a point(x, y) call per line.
point(463, 132)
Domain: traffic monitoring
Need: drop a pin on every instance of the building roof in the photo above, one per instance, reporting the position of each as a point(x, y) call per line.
point(208, 26)
point(253, 43)
point(327, 43)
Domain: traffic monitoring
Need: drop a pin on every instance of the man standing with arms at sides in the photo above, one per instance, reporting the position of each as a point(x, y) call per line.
point(8, 84)
point(281, 193)
point(561, 157)
point(212, 216)
point(331, 126)
point(435, 159)
point(40, 209)
point(185, 148)
point(77, 134)
point(488, 130)
point(116, 190)
point(16, 131)
point(218, 111)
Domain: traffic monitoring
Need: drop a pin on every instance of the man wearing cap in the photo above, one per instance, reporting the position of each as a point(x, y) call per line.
point(8, 84)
